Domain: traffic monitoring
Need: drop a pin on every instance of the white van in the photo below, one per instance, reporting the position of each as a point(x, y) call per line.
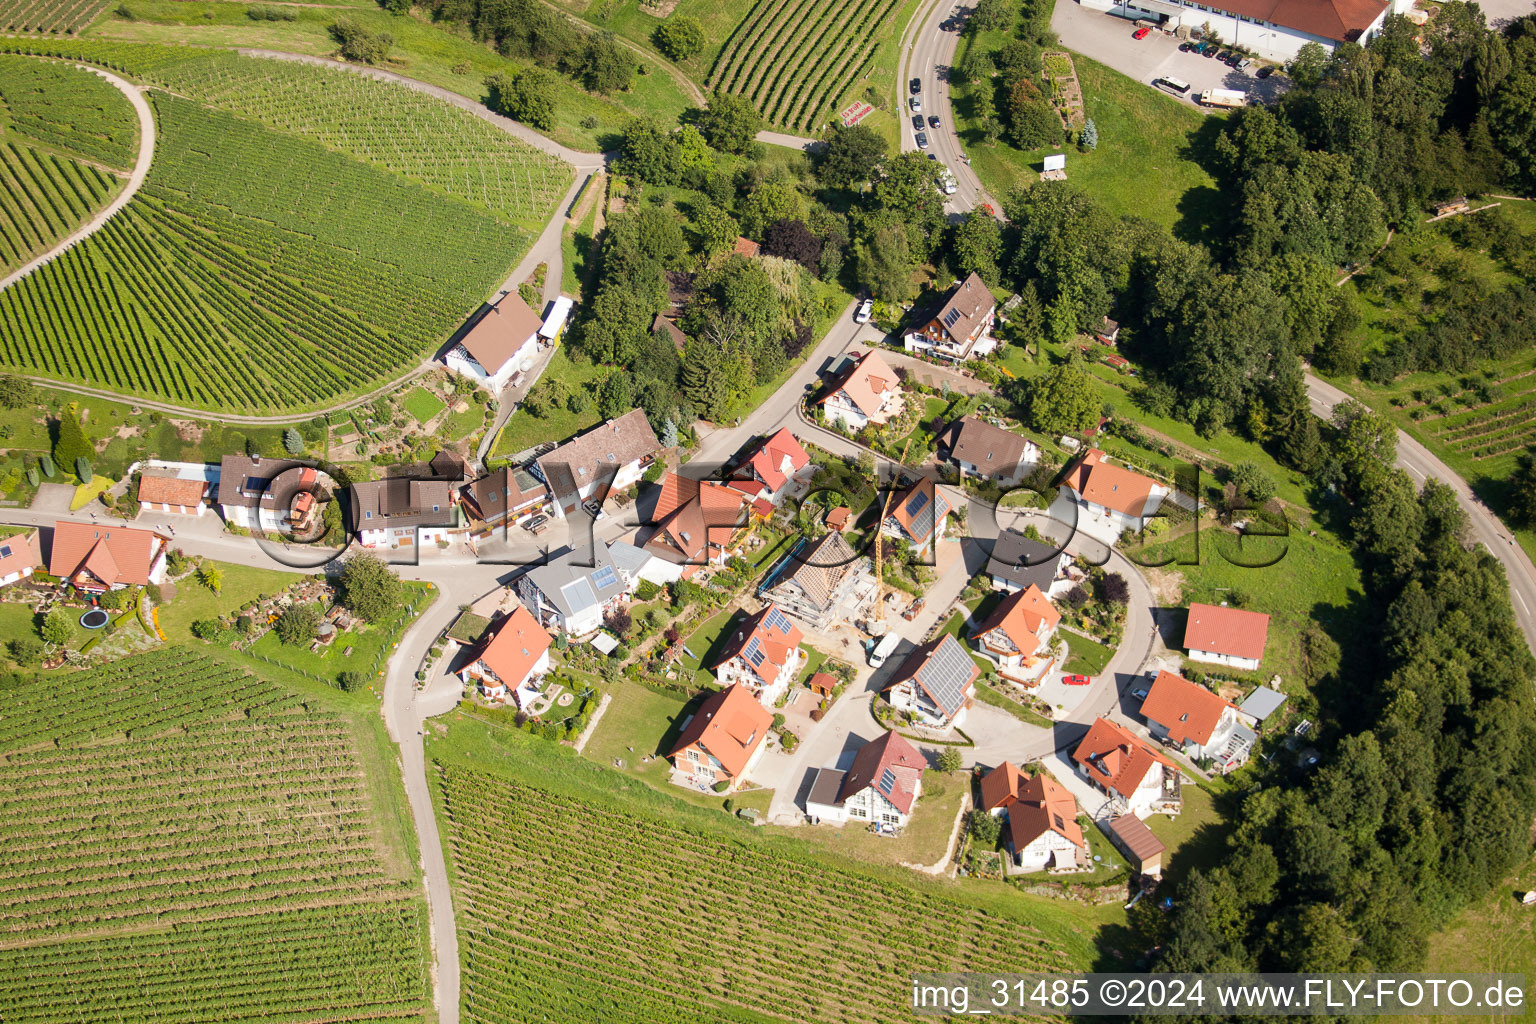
point(1172, 84)
point(884, 649)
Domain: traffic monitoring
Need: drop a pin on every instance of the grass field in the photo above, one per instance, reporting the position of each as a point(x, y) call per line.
point(290, 289)
point(524, 430)
point(1087, 657)
point(423, 405)
point(794, 59)
point(1494, 935)
point(184, 841)
point(559, 864)
point(1144, 165)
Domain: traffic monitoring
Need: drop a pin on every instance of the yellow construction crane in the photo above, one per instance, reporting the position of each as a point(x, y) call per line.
point(877, 621)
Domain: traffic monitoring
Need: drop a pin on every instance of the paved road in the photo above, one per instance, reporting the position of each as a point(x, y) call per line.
point(135, 179)
point(928, 57)
point(1486, 528)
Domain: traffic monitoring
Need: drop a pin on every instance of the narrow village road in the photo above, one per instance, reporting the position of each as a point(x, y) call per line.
point(136, 178)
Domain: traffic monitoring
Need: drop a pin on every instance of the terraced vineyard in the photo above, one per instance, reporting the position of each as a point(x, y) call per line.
point(67, 16)
point(69, 109)
point(256, 271)
point(794, 58)
point(1503, 428)
point(181, 841)
point(44, 198)
point(573, 911)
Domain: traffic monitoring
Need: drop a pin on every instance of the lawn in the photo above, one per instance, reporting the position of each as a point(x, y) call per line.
point(194, 601)
point(922, 842)
point(705, 643)
point(1494, 935)
point(1087, 657)
point(578, 246)
point(1146, 161)
point(423, 405)
point(524, 430)
point(462, 425)
point(370, 644)
point(1195, 838)
point(87, 493)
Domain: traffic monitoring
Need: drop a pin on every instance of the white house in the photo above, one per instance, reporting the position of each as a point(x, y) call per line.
point(763, 654)
point(1226, 636)
point(867, 392)
point(502, 343)
point(1111, 497)
point(935, 684)
point(991, 453)
point(1133, 777)
point(1043, 833)
point(881, 787)
point(606, 458)
point(962, 328)
point(249, 493)
point(1017, 635)
point(1274, 29)
point(19, 553)
point(572, 592)
point(401, 512)
point(1195, 720)
point(510, 660)
point(778, 465)
point(171, 492)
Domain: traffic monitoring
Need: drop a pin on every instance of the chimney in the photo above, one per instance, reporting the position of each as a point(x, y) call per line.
point(256, 459)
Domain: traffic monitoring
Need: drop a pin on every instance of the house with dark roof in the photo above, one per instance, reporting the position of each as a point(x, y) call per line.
point(722, 741)
point(777, 466)
point(19, 553)
point(573, 591)
point(502, 342)
point(166, 490)
point(1192, 719)
point(881, 787)
point(865, 391)
point(504, 496)
point(962, 328)
point(96, 558)
point(1018, 562)
point(1134, 777)
point(1226, 636)
point(762, 652)
point(1017, 635)
point(248, 496)
point(821, 582)
point(1043, 833)
point(606, 458)
point(510, 659)
point(1273, 29)
point(694, 520)
point(991, 453)
point(402, 511)
point(918, 516)
point(936, 683)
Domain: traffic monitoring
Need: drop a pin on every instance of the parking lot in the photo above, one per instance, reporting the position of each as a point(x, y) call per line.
point(1107, 39)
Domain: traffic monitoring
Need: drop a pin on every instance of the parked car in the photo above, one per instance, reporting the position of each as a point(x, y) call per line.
point(1223, 55)
point(536, 524)
point(922, 140)
point(1265, 71)
point(1209, 51)
point(1076, 680)
point(1140, 693)
point(1234, 60)
point(1186, 46)
point(1245, 64)
point(594, 509)
point(917, 122)
point(916, 85)
point(1141, 33)
point(933, 121)
point(864, 312)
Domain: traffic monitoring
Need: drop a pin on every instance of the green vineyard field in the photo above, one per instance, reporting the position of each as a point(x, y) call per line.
point(182, 841)
point(256, 271)
point(794, 58)
point(571, 909)
point(67, 16)
point(43, 198)
point(69, 109)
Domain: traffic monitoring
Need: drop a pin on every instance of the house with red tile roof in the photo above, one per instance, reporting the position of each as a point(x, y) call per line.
point(880, 788)
point(962, 327)
point(936, 683)
point(721, 741)
point(1191, 718)
point(164, 490)
point(1043, 833)
point(762, 652)
point(1000, 787)
point(1017, 635)
point(746, 247)
point(918, 516)
point(1134, 777)
point(1111, 498)
point(96, 558)
point(19, 553)
point(1226, 636)
point(510, 659)
point(694, 520)
point(837, 519)
point(503, 342)
point(866, 392)
point(777, 465)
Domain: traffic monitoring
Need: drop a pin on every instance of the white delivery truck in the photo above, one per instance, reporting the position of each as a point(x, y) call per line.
point(884, 649)
point(1223, 98)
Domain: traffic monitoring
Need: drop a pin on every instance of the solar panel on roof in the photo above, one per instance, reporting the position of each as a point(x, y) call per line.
point(605, 577)
point(776, 620)
point(950, 317)
point(887, 781)
point(946, 672)
point(754, 653)
point(917, 504)
point(579, 594)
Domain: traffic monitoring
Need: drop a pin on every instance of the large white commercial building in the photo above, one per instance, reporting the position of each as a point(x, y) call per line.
point(1276, 29)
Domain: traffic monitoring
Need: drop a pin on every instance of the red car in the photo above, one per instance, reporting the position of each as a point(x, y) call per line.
point(1076, 680)
point(1140, 33)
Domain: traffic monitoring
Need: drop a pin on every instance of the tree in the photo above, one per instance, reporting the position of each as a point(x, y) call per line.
point(1522, 489)
point(293, 444)
point(57, 628)
point(24, 650)
point(16, 392)
point(83, 470)
point(730, 122)
point(620, 621)
point(990, 15)
point(369, 587)
point(71, 443)
point(211, 576)
point(359, 43)
point(1032, 124)
point(978, 241)
point(671, 636)
point(679, 37)
point(646, 152)
point(668, 437)
point(616, 395)
point(1088, 140)
point(793, 240)
point(1063, 401)
point(1115, 589)
point(297, 624)
point(1252, 483)
point(1307, 68)
point(851, 155)
point(715, 229)
point(604, 65)
point(985, 828)
point(352, 681)
point(949, 760)
point(883, 263)
point(527, 95)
